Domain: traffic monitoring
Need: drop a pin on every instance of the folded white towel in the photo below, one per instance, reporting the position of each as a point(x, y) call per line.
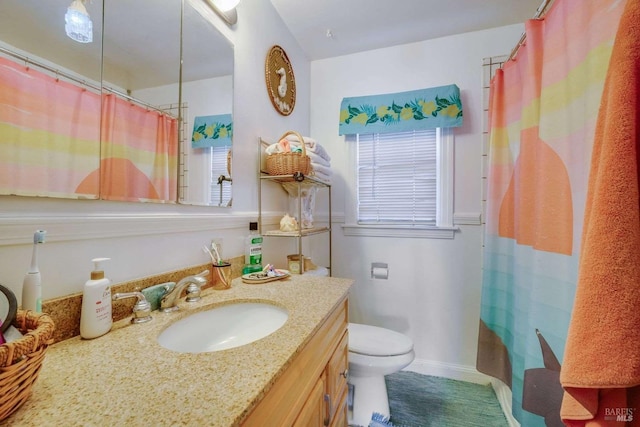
point(281, 148)
point(311, 145)
point(317, 159)
point(322, 177)
point(321, 169)
point(273, 149)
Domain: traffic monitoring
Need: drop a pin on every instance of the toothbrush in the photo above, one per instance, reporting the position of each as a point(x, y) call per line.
point(32, 284)
point(207, 251)
point(215, 249)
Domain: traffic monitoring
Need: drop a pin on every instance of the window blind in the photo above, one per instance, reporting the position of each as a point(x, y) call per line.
point(397, 177)
point(219, 167)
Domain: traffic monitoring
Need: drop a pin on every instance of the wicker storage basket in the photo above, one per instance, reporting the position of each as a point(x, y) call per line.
point(289, 163)
point(21, 360)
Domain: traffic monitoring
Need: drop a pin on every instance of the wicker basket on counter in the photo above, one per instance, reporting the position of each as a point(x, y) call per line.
point(289, 163)
point(21, 360)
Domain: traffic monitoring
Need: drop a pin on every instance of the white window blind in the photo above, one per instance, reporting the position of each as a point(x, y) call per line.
point(397, 177)
point(219, 168)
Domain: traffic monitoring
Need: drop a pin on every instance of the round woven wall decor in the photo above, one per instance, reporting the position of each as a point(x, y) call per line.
point(281, 83)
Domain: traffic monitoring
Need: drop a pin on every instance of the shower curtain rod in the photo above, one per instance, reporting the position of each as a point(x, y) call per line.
point(539, 14)
point(93, 86)
point(67, 76)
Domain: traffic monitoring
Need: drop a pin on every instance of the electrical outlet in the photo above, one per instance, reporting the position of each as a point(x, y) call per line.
point(216, 243)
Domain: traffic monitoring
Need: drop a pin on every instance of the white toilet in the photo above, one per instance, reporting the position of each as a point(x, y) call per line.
point(373, 353)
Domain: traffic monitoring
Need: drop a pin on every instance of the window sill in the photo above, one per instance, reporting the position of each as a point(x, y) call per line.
point(423, 232)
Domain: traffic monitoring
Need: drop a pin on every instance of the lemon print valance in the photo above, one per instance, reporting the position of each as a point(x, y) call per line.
point(212, 131)
point(401, 112)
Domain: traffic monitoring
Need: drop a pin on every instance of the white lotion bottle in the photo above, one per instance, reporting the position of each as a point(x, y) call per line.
point(95, 317)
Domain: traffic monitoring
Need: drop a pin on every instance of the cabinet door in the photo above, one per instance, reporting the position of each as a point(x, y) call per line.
point(340, 415)
point(336, 372)
point(313, 412)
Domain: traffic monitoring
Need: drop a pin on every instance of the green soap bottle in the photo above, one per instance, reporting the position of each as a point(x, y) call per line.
point(253, 250)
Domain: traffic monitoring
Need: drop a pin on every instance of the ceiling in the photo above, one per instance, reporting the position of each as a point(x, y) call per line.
point(360, 25)
point(353, 25)
point(140, 47)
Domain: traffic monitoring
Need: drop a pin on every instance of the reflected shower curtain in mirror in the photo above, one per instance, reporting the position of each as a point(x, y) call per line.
point(49, 134)
point(139, 153)
point(543, 110)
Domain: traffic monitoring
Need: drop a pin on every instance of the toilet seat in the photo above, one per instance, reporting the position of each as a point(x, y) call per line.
point(374, 341)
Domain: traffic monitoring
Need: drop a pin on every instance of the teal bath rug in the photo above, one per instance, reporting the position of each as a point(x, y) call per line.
point(417, 400)
point(379, 420)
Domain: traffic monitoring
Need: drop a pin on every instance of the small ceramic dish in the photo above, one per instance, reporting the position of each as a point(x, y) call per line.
point(262, 277)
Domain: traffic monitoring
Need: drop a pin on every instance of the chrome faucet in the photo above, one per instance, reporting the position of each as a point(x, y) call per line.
point(142, 308)
point(171, 295)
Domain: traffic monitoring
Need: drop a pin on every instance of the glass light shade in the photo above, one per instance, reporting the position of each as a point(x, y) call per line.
point(78, 24)
point(226, 5)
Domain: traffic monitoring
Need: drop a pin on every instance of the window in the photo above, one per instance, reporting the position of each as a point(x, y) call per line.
point(403, 183)
point(220, 187)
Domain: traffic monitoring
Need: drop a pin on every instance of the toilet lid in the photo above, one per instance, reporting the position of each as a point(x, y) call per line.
point(375, 341)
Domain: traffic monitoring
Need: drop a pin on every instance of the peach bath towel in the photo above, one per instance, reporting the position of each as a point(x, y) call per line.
point(601, 367)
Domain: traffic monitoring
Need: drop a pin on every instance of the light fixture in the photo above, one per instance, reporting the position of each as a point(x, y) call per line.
point(226, 9)
point(78, 24)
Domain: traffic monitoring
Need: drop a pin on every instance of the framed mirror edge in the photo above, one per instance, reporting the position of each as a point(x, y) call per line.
point(202, 41)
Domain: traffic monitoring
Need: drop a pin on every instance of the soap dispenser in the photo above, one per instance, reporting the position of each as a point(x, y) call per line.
point(95, 317)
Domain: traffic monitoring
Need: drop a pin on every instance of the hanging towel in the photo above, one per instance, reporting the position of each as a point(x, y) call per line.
point(601, 366)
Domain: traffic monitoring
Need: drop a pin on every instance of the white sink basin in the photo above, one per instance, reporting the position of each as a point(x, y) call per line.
point(223, 327)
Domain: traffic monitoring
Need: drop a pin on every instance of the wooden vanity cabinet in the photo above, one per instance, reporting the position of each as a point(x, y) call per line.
point(336, 383)
point(313, 411)
point(312, 391)
point(327, 403)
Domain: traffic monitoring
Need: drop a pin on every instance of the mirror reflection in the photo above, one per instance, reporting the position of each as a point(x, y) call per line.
point(207, 95)
point(49, 100)
point(139, 137)
point(73, 146)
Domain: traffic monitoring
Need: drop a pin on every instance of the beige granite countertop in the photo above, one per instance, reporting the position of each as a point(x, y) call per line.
point(125, 378)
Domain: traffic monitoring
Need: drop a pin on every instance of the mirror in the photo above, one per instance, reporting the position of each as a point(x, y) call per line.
point(40, 138)
point(8, 307)
point(207, 94)
point(140, 61)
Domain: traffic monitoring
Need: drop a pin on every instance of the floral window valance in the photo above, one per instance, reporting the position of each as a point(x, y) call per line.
point(212, 131)
point(400, 112)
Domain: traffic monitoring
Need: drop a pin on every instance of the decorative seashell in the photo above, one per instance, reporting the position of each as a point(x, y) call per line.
point(288, 223)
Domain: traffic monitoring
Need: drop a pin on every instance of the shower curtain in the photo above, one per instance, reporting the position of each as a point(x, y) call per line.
point(139, 153)
point(49, 134)
point(543, 112)
point(58, 139)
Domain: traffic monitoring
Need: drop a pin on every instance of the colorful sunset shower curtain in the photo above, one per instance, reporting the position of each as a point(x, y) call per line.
point(543, 110)
point(58, 139)
point(139, 153)
point(49, 134)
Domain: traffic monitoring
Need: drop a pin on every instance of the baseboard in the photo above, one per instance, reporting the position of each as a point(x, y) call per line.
point(468, 374)
point(448, 370)
point(503, 393)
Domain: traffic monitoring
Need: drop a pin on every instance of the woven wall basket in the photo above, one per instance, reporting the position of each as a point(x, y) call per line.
point(21, 360)
point(289, 163)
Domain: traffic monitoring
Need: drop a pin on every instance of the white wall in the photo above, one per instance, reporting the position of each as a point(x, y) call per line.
point(144, 239)
point(434, 285)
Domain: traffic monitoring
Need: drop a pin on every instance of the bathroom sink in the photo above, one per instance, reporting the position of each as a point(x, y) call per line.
point(223, 327)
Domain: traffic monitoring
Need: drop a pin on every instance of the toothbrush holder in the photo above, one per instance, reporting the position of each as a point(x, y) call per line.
point(221, 276)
